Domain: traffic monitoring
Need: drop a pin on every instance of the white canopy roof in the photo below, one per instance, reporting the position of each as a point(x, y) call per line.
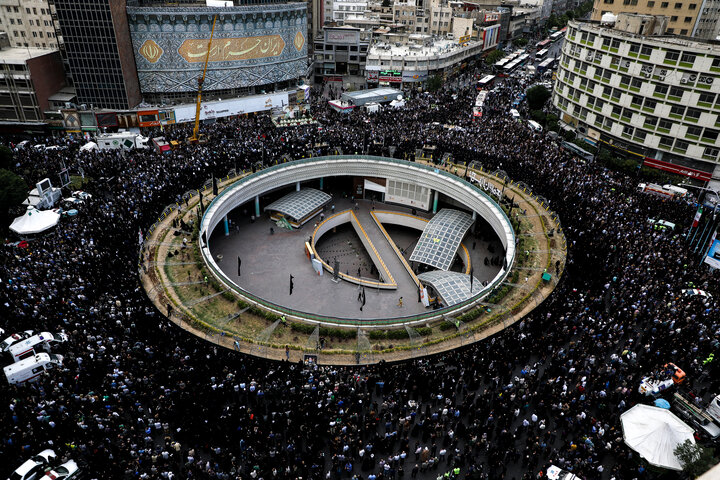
point(34, 221)
point(654, 433)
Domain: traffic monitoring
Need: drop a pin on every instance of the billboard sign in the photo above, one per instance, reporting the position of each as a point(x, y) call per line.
point(490, 37)
point(252, 45)
point(713, 256)
point(678, 169)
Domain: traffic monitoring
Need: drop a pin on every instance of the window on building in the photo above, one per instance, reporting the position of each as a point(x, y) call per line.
point(694, 131)
point(688, 19)
point(688, 58)
point(34, 34)
point(615, 43)
point(681, 145)
point(624, 80)
point(676, 91)
point(651, 121)
point(665, 123)
point(636, 101)
point(628, 130)
point(661, 89)
point(666, 141)
point(634, 48)
point(617, 110)
point(672, 55)
point(607, 91)
point(15, 33)
point(677, 110)
point(707, 97)
point(616, 94)
point(678, 6)
point(27, 10)
point(34, 11)
point(645, 50)
point(712, 152)
point(664, 5)
point(692, 6)
point(670, 31)
point(12, 21)
point(640, 134)
point(651, 4)
point(673, 18)
point(650, 104)
point(692, 113)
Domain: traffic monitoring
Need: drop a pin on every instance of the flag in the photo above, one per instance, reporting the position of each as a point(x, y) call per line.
point(698, 214)
point(471, 278)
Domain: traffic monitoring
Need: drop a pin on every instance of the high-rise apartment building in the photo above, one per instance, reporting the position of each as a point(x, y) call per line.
point(28, 23)
point(682, 14)
point(654, 97)
point(99, 52)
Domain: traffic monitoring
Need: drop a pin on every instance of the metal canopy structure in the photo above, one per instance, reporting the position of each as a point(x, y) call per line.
point(298, 205)
point(453, 287)
point(441, 238)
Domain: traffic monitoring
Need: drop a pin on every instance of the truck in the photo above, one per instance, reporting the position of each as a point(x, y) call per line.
point(160, 144)
point(702, 420)
point(26, 348)
point(124, 140)
point(29, 369)
point(664, 191)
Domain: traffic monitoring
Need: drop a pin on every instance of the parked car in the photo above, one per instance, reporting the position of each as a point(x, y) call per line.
point(35, 466)
point(67, 470)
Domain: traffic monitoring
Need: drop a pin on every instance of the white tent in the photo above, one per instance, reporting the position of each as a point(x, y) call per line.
point(654, 433)
point(34, 221)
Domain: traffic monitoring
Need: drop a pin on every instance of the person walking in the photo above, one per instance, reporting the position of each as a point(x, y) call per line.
point(400, 302)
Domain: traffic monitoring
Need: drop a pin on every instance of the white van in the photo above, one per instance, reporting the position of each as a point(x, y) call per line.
point(535, 125)
point(29, 369)
point(26, 348)
point(14, 338)
point(515, 114)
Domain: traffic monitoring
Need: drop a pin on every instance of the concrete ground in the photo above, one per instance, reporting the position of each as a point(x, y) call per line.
point(268, 260)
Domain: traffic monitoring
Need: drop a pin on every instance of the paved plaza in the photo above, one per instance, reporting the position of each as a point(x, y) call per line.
point(268, 260)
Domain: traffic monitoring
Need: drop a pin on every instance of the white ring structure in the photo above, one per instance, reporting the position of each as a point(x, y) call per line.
point(247, 188)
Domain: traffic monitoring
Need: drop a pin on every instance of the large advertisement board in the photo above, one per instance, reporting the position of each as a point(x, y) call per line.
point(713, 256)
point(251, 46)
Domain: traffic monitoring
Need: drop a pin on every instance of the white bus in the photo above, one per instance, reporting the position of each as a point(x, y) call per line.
point(542, 54)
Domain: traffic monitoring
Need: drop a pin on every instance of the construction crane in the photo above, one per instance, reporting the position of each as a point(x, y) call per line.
point(195, 138)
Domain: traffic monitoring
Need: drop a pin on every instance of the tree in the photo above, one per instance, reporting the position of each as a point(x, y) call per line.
point(13, 191)
point(520, 42)
point(6, 157)
point(538, 116)
point(537, 96)
point(695, 459)
point(494, 56)
point(434, 83)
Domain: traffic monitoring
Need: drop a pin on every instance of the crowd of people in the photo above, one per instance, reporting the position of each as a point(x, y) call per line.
point(139, 398)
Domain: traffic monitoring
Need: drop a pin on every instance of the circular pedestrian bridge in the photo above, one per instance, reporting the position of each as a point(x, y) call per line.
point(269, 260)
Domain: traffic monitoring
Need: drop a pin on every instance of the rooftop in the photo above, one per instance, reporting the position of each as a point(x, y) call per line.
point(300, 204)
point(453, 287)
point(405, 50)
point(18, 56)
